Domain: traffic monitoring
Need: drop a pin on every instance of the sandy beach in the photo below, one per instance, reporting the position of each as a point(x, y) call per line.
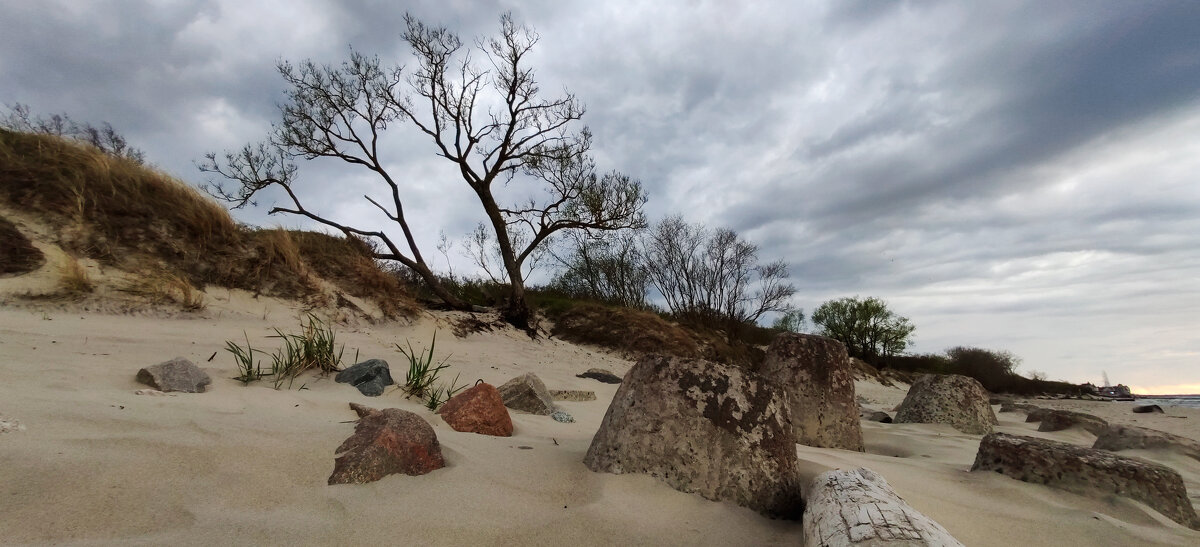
point(98, 464)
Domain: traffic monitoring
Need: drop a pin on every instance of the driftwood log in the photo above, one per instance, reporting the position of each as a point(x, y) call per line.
point(857, 507)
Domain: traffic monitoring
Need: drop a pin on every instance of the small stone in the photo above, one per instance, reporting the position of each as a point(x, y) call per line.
point(560, 416)
point(1013, 407)
point(1144, 409)
point(877, 416)
point(362, 410)
point(600, 375)
point(178, 374)
point(151, 392)
point(1058, 420)
point(527, 393)
point(478, 410)
point(577, 395)
point(1037, 414)
point(386, 442)
point(370, 377)
point(10, 424)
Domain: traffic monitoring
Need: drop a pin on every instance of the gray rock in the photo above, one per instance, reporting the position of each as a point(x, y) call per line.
point(858, 507)
point(1014, 407)
point(877, 416)
point(370, 377)
point(600, 375)
point(527, 393)
point(815, 373)
point(1058, 420)
point(1125, 437)
point(705, 428)
point(178, 374)
point(1087, 471)
point(577, 395)
point(1037, 414)
point(1145, 409)
point(950, 399)
point(560, 416)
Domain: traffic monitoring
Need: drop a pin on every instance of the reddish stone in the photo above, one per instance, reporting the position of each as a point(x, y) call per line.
point(386, 442)
point(478, 410)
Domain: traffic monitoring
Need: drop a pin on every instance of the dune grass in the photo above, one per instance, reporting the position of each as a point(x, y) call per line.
point(313, 348)
point(73, 278)
point(122, 213)
point(421, 379)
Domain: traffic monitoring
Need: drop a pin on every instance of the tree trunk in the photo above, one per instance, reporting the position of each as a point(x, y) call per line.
point(438, 289)
point(516, 311)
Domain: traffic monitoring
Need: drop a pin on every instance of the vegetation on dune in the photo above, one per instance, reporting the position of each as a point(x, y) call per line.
point(313, 348)
point(112, 208)
point(109, 206)
point(421, 379)
point(17, 253)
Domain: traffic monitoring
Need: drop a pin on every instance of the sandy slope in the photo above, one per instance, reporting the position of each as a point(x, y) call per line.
point(98, 464)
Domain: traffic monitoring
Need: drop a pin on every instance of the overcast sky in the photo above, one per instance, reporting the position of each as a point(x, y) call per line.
point(1008, 175)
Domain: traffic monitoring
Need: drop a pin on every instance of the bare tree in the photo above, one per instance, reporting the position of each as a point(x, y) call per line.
point(713, 278)
point(103, 137)
point(603, 267)
point(339, 112)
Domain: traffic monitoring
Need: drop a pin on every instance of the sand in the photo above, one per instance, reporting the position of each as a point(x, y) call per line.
point(98, 464)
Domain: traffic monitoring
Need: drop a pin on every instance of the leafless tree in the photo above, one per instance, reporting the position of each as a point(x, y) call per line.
point(339, 112)
point(713, 278)
point(604, 267)
point(103, 137)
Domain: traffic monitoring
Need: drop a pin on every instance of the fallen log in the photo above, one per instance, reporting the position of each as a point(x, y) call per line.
point(857, 507)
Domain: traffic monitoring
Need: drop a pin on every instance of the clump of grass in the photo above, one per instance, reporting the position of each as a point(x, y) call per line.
point(422, 372)
point(244, 358)
point(437, 396)
point(162, 286)
point(315, 347)
point(73, 278)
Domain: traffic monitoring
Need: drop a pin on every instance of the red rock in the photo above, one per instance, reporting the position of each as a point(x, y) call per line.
point(478, 410)
point(386, 442)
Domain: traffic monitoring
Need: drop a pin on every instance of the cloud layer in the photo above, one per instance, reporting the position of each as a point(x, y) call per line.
point(1018, 176)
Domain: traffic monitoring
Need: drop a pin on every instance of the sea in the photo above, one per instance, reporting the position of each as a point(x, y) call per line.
point(1190, 401)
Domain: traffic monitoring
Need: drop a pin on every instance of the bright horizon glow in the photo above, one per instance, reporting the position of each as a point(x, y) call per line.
point(1175, 389)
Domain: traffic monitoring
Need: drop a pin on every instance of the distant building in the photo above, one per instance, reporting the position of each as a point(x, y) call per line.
point(1119, 391)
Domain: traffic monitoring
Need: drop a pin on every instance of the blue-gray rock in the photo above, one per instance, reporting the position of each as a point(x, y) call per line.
point(370, 377)
point(178, 374)
point(600, 375)
point(560, 416)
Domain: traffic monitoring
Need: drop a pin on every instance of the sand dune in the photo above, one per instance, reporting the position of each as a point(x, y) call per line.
point(98, 464)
